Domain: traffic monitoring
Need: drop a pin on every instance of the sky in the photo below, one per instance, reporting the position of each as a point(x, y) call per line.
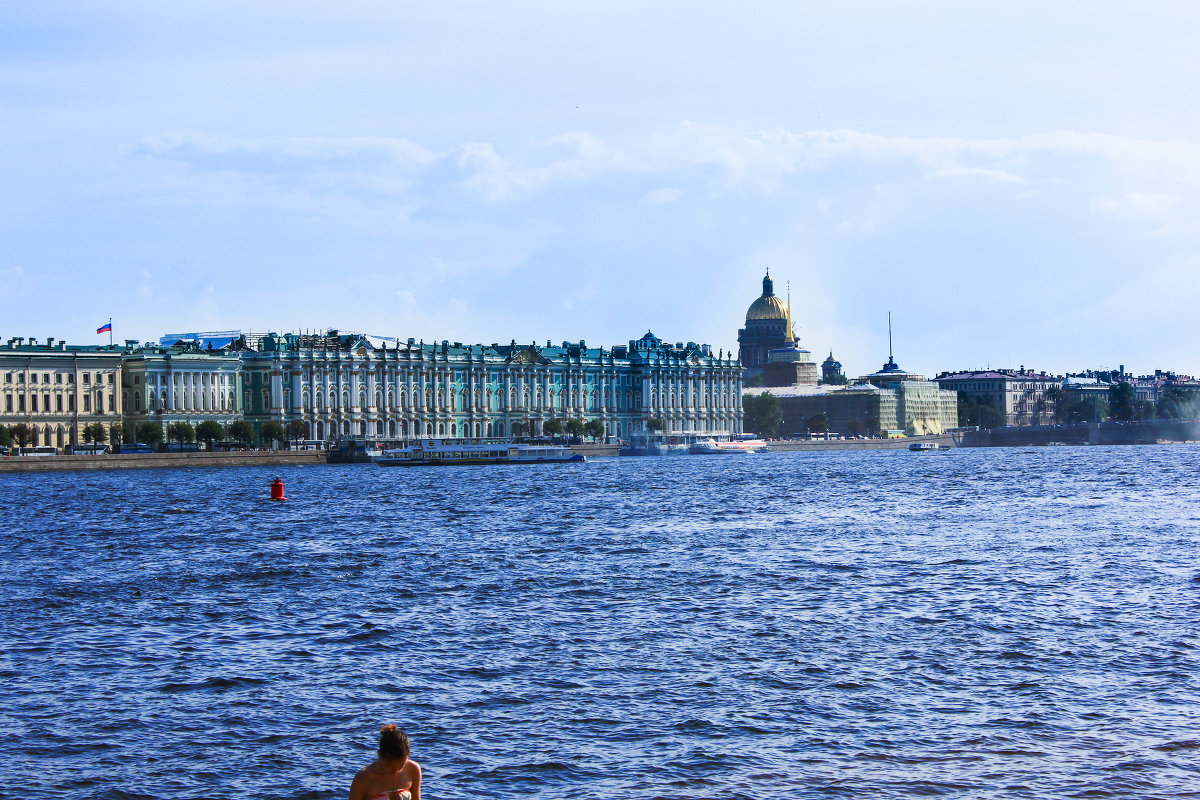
point(1018, 183)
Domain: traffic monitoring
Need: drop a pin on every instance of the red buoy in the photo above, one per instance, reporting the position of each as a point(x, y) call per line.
point(277, 490)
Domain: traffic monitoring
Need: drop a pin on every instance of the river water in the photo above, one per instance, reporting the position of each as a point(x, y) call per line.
point(980, 623)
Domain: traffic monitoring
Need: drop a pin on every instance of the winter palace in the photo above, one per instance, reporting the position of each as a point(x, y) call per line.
point(354, 385)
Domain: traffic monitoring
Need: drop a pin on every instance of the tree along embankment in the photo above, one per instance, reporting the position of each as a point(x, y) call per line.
point(254, 458)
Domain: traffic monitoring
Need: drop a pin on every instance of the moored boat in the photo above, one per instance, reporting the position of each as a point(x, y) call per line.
point(437, 452)
point(713, 447)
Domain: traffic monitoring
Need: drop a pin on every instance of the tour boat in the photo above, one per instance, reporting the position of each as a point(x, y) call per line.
point(925, 447)
point(713, 447)
point(437, 452)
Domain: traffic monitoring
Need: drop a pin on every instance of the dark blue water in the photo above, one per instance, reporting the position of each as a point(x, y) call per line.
point(983, 623)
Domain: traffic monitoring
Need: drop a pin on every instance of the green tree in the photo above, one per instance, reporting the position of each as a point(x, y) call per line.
point(209, 431)
point(273, 432)
point(1088, 409)
point(552, 427)
point(594, 428)
point(181, 432)
point(518, 429)
point(297, 429)
point(575, 428)
point(656, 424)
point(873, 426)
point(979, 412)
point(95, 432)
point(753, 382)
point(1177, 404)
point(5, 436)
point(762, 414)
point(150, 433)
point(1051, 402)
point(22, 434)
point(242, 431)
point(817, 423)
point(118, 432)
point(1121, 401)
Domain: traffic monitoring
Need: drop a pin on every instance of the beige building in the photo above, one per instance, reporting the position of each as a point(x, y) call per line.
point(890, 399)
point(56, 389)
point(1021, 394)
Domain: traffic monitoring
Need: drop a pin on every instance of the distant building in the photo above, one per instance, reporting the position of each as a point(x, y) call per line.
point(342, 385)
point(768, 347)
point(889, 399)
point(182, 382)
point(56, 389)
point(1021, 394)
point(831, 371)
point(355, 385)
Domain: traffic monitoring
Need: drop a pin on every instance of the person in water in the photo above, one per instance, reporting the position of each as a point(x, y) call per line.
point(391, 776)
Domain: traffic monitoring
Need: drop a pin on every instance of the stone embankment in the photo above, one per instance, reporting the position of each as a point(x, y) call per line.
point(793, 446)
point(263, 458)
point(595, 450)
point(1147, 432)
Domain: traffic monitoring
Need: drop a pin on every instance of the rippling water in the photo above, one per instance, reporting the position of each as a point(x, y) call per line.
point(1008, 623)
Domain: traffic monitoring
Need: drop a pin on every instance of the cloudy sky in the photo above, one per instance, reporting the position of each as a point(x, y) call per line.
point(1017, 182)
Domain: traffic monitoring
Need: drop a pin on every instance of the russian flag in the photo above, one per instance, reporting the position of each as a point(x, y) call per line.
point(105, 328)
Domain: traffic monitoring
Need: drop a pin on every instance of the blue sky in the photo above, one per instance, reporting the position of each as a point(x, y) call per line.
point(1016, 182)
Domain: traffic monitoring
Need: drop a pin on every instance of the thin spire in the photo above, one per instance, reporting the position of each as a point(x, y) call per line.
point(791, 331)
point(890, 357)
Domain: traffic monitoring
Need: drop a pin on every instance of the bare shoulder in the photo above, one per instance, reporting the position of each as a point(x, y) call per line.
point(413, 769)
point(358, 787)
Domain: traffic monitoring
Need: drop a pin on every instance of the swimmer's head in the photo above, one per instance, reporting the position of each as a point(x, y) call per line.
point(393, 743)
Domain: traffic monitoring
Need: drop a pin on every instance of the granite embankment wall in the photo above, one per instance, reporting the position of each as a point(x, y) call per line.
point(945, 440)
point(595, 450)
point(265, 458)
point(1148, 432)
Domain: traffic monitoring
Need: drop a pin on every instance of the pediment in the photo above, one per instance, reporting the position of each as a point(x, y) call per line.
point(527, 355)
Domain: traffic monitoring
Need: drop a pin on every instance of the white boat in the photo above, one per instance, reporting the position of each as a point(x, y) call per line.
point(439, 453)
point(713, 447)
point(925, 447)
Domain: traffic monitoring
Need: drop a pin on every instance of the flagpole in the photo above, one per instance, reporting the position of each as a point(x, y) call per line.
point(110, 332)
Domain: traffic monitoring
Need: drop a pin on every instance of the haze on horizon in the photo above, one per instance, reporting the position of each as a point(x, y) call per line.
point(1017, 183)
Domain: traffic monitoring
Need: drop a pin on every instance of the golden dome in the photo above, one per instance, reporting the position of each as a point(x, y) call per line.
point(767, 307)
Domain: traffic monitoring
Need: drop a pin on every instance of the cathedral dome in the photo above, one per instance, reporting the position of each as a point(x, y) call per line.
point(768, 306)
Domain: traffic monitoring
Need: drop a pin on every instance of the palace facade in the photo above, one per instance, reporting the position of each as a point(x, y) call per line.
point(363, 386)
point(56, 389)
point(352, 385)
